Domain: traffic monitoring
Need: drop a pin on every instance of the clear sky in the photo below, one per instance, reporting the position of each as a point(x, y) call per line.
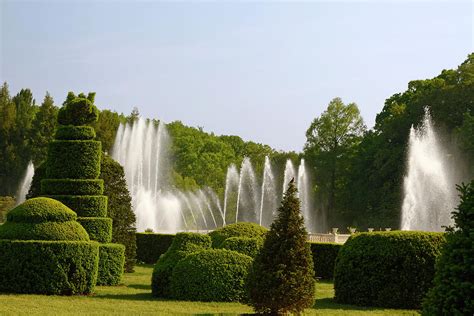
point(262, 71)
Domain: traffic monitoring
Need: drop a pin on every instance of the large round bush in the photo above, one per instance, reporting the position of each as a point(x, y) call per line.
point(245, 245)
point(211, 275)
point(242, 229)
point(183, 244)
point(386, 269)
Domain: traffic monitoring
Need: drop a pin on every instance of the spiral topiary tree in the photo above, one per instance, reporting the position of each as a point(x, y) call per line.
point(281, 280)
point(72, 177)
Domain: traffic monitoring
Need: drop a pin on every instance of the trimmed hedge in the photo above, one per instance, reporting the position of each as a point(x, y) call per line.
point(41, 209)
point(242, 229)
point(78, 110)
point(183, 244)
point(98, 228)
point(71, 132)
point(111, 262)
point(72, 186)
point(70, 230)
point(386, 269)
point(324, 258)
point(211, 275)
point(245, 245)
point(48, 267)
point(151, 246)
point(74, 159)
point(85, 205)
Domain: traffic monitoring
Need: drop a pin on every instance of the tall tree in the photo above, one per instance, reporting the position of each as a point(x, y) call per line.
point(330, 140)
point(42, 129)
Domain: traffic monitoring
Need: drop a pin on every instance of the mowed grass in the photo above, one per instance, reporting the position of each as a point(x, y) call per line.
point(134, 298)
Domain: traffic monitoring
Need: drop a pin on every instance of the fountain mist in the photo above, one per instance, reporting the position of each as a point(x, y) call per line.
point(25, 184)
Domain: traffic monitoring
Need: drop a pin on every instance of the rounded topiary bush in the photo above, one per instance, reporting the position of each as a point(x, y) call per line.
point(98, 228)
point(111, 263)
point(71, 132)
point(42, 219)
point(245, 245)
point(211, 275)
point(183, 244)
point(78, 110)
point(386, 269)
point(72, 186)
point(242, 229)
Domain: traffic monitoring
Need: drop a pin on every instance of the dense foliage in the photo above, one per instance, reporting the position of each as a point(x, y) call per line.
point(240, 229)
point(48, 267)
point(453, 290)
point(324, 258)
point(119, 208)
point(216, 275)
point(245, 245)
point(183, 244)
point(151, 246)
point(42, 219)
point(281, 279)
point(387, 269)
point(111, 263)
point(98, 228)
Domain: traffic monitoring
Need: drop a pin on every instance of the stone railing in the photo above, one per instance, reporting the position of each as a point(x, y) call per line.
point(337, 238)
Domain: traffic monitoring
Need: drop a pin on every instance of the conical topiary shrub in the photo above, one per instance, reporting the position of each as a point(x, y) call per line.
point(281, 279)
point(45, 251)
point(72, 177)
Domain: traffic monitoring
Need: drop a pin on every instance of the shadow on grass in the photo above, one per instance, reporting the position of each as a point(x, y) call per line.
point(140, 286)
point(330, 303)
point(128, 297)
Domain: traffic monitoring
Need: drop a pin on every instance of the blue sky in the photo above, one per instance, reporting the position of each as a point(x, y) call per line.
point(262, 71)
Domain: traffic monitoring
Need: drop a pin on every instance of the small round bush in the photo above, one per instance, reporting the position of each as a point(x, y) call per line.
point(386, 269)
point(40, 210)
point(211, 275)
point(183, 244)
point(245, 245)
point(242, 229)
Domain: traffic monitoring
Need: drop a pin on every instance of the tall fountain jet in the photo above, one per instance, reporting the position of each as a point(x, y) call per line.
point(304, 195)
point(288, 175)
point(25, 184)
point(268, 199)
point(429, 186)
point(248, 197)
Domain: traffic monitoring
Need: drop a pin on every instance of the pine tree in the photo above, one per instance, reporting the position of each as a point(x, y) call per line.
point(281, 279)
point(453, 290)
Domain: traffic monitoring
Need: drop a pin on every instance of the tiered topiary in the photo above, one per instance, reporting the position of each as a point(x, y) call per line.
point(242, 229)
point(183, 244)
point(387, 269)
point(45, 251)
point(72, 171)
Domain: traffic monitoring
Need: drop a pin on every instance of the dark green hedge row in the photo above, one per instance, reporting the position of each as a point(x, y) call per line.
point(98, 228)
point(73, 159)
point(85, 205)
point(70, 132)
point(242, 229)
point(245, 245)
point(48, 267)
point(111, 261)
point(72, 186)
point(151, 246)
point(182, 245)
point(211, 275)
point(70, 230)
point(324, 259)
point(387, 269)
point(41, 209)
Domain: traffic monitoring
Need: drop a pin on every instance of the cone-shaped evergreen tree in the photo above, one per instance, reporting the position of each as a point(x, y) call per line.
point(453, 291)
point(281, 279)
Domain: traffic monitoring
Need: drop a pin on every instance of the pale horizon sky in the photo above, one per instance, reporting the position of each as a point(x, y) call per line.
point(261, 71)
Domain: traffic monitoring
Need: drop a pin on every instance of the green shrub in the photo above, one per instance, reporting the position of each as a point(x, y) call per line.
point(98, 228)
point(42, 219)
point(324, 258)
point(241, 229)
point(85, 205)
point(111, 261)
point(453, 290)
point(48, 267)
point(151, 246)
point(72, 186)
point(78, 110)
point(182, 245)
point(71, 132)
point(245, 245)
point(211, 275)
point(386, 269)
point(6, 203)
point(73, 159)
point(281, 279)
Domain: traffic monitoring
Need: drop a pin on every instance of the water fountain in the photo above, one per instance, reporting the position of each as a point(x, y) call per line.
point(429, 187)
point(288, 175)
point(230, 193)
point(247, 194)
point(268, 199)
point(304, 196)
point(25, 184)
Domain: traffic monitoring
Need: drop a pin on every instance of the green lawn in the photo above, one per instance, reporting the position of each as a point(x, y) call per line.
point(134, 298)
